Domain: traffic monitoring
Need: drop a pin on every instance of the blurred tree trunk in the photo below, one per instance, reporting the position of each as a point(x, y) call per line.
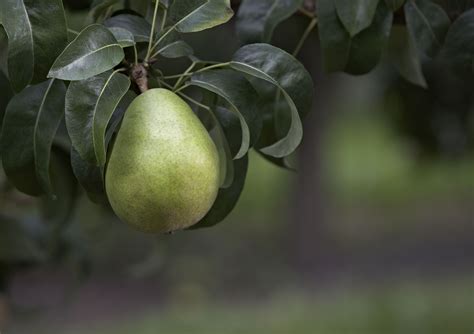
point(311, 244)
point(4, 311)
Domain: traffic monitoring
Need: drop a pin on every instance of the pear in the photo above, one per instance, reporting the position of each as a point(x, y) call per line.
point(163, 171)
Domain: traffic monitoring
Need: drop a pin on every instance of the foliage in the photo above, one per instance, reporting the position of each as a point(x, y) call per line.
point(73, 87)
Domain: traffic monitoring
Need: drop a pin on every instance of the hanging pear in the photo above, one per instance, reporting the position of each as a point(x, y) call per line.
point(163, 171)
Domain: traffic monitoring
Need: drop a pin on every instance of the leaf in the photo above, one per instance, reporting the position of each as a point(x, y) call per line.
point(218, 135)
point(458, 48)
point(3, 51)
point(29, 127)
point(367, 47)
point(37, 33)
point(5, 96)
point(102, 9)
point(256, 20)
point(57, 212)
point(89, 107)
point(427, 24)
point(241, 97)
point(138, 26)
point(356, 55)
point(405, 57)
point(226, 198)
point(335, 40)
point(94, 51)
point(274, 65)
point(198, 15)
point(124, 37)
point(90, 176)
point(175, 50)
point(356, 15)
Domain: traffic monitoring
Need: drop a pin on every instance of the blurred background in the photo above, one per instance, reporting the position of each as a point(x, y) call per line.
point(374, 233)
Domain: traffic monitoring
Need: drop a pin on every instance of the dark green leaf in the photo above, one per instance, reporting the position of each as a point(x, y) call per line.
point(198, 15)
point(89, 107)
point(90, 176)
point(356, 15)
point(335, 40)
point(94, 51)
point(37, 33)
point(405, 57)
point(356, 55)
point(274, 65)
point(30, 124)
point(218, 135)
point(138, 26)
point(175, 50)
point(367, 46)
point(427, 24)
point(3, 51)
point(123, 36)
point(57, 212)
point(240, 96)
point(143, 6)
point(256, 20)
point(458, 49)
point(227, 198)
point(5, 95)
point(102, 9)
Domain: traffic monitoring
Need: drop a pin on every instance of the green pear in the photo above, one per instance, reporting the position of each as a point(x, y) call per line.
point(163, 171)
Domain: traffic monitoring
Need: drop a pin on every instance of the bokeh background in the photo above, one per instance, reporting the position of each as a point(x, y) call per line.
point(374, 233)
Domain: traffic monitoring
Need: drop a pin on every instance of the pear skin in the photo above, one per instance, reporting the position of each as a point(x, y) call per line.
point(163, 170)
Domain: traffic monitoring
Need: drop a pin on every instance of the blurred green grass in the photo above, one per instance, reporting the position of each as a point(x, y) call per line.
point(366, 159)
point(402, 308)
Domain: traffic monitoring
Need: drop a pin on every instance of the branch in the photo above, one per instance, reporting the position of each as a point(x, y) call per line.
point(139, 75)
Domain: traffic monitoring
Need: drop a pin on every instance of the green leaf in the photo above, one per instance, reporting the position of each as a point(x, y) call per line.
point(367, 47)
point(227, 198)
point(5, 96)
point(57, 212)
point(102, 9)
point(256, 20)
point(281, 69)
point(356, 15)
point(335, 40)
point(404, 56)
point(358, 54)
point(240, 96)
point(175, 50)
point(3, 51)
point(458, 49)
point(218, 135)
point(37, 33)
point(123, 36)
point(29, 127)
point(427, 24)
point(89, 175)
point(198, 15)
point(394, 5)
point(89, 107)
point(95, 50)
point(138, 26)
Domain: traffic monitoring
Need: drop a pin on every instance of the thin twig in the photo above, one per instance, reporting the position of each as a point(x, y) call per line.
point(152, 32)
point(305, 35)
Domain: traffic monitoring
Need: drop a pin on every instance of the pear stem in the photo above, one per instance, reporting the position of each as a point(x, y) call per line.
point(139, 74)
